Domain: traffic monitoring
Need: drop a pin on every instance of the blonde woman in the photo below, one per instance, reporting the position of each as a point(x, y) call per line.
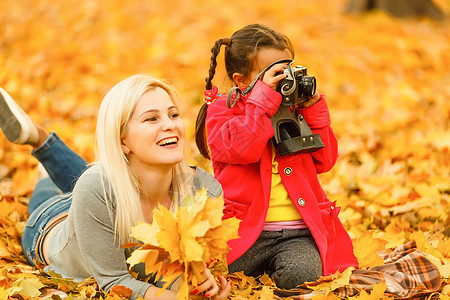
point(81, 214)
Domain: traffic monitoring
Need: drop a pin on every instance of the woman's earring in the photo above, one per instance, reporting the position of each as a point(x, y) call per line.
point(127, 153)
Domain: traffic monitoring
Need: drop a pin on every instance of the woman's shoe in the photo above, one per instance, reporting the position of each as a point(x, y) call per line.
point(15, 123)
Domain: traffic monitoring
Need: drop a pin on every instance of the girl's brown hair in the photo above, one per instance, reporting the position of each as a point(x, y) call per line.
point(240, 53)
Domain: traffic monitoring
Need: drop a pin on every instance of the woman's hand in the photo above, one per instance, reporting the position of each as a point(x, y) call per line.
point(274, 75)
point(151, 292)
point(210, 288)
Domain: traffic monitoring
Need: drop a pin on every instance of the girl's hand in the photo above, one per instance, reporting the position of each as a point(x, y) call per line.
point(274, 75)
point(312, 100)
point(210, 288)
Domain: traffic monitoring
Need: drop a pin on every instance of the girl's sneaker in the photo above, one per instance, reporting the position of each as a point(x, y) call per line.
point(15, 123)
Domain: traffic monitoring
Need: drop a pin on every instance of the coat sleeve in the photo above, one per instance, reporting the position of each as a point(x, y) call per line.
point(239, 135)
point(318, 118)
point(93, 221)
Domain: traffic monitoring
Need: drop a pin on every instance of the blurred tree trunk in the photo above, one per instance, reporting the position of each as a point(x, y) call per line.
point(398, 8)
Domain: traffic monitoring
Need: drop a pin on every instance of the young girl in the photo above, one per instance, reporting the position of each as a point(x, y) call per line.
point(289, 228)
point(77, 226)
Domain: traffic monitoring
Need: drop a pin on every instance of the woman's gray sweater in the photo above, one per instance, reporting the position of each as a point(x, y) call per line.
point(83, 245)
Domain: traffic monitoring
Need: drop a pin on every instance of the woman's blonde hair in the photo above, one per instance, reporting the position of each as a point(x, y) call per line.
point(115, 111)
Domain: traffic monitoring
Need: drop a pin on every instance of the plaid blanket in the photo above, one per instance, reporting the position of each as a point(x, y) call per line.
point(407, 272)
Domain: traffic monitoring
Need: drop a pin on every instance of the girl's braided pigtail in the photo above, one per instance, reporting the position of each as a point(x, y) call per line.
point(212, 66)
point(200, 130)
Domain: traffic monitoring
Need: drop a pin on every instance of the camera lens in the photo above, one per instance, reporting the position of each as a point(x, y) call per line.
point(308, 86)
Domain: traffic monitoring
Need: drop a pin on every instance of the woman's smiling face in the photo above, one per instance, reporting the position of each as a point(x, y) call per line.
point(155, 133)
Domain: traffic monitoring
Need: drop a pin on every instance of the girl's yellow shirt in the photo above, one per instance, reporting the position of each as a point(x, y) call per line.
point(281, 207)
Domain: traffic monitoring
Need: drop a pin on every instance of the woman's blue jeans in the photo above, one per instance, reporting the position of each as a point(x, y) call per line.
point(52, 196)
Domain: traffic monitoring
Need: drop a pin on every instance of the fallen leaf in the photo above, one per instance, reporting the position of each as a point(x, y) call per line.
point(121, 291)
point(27, 286)
point(324, 284)
point(365, 250)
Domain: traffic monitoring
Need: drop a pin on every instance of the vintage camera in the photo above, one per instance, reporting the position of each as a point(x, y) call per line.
point(297, 86)
point(292, 133)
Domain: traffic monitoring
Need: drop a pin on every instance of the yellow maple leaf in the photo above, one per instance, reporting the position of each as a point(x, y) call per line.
point(245, 293)
point(184, 240)
point(266, 293)
point(157, 261)
point(377, 292)
point(266, 280)
point(214, 211)
point(27, 286)
point(394, 239)
point(443, 265)
point(365, 249)
point(137, 257)
point(242, 280)
point(325, 297)
point(428, 192)
point(167, 235)
point(423, 244)
point(88, 292)
point(444, 247)
point(330, 283)
point(146, 233)
point(191, 248)
point(213, 242)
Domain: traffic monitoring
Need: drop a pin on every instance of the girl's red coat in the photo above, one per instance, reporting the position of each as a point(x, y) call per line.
point(241, 151)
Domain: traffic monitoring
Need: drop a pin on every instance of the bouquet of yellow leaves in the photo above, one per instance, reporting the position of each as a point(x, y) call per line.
point(178, 244)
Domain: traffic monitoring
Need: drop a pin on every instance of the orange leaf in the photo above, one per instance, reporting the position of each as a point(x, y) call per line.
point(121, 291)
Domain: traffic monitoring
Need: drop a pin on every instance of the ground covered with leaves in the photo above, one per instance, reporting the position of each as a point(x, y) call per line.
point(387, 82)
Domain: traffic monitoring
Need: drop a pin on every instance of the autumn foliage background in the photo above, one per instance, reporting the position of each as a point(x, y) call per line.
point(387, 82)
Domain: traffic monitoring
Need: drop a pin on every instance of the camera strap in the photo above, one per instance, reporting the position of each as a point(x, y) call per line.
point(248, 89)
